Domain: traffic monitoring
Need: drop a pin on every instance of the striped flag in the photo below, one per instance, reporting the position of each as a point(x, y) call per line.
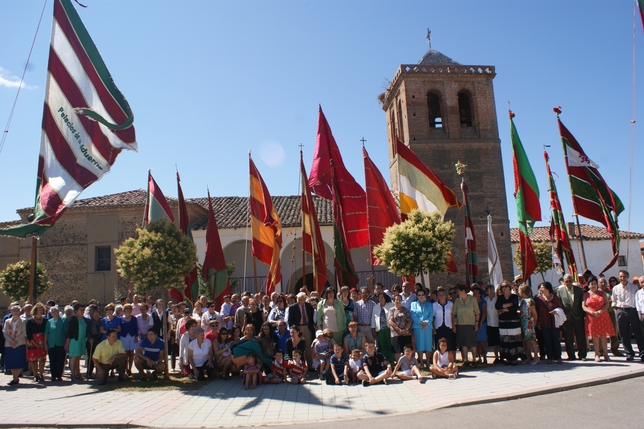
point(471, 259)
point(420, 188)
point(493, 262)
point(190, 280)
point(558, 233)
point(311, 236)
point(526, 193)
point(591, 196)
point(214, 264)
point(266, 228)
point(86, 122)
point(156, 205)
point(382, 211)
point(350, 195)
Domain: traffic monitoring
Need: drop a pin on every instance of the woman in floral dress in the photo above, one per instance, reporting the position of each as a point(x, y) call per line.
point(528, 322)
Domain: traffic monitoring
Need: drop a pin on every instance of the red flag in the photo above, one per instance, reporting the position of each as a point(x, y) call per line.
point(266, 228)
point(381, 206)
point(311, 237)
point(591, 196)
point(156, 206)
point(351, 196)
point(214, 264)
point(558, 233)
point(191, 280)
point(471, 259)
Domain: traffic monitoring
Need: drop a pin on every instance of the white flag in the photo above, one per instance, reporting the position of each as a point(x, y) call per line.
point(493, 263)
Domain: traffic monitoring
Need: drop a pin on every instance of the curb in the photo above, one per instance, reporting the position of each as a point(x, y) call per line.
point(572, 386)
point(494, 399)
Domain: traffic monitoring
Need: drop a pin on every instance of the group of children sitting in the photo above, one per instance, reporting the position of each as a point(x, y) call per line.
point(336, 368)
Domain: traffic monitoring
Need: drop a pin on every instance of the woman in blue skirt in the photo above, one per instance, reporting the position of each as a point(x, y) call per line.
point(15, 349)
point(422, 316)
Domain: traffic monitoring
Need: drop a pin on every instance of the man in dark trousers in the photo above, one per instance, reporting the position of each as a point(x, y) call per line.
point(571, 297)
point(301, 314)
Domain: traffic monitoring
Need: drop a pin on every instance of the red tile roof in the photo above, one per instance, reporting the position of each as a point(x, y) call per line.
point(230, 212)
point(589, 232)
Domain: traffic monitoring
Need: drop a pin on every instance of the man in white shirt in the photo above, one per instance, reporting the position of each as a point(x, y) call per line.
point(625, 303)
point(639, 302)
point(225, 313)
point(407, 295)
point(209, 315)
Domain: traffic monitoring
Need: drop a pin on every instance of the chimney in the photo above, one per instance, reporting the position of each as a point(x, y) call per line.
point(571, 229)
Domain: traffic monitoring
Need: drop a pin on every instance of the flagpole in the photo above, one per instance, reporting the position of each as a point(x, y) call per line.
point(33, 288)
point(370, 252)
point(147, 200)
point(557, 111)
point(302, 221)
point(581, 238)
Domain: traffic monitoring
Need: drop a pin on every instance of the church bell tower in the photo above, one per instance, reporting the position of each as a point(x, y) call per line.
point(445, 112)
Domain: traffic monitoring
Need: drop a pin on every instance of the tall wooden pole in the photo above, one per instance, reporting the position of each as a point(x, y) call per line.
point(581, 241)
point(255, 273)
point(33, 288)
point(166, 337)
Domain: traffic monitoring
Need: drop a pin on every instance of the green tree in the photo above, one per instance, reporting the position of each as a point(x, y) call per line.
point(158, 256)
point(418, 245)
point(14, 280)
point(543, 253)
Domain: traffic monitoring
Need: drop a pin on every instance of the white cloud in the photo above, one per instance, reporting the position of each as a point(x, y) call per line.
point(10, 81)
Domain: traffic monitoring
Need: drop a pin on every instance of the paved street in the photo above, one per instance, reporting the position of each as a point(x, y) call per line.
point(226, 404)
point(615, 404)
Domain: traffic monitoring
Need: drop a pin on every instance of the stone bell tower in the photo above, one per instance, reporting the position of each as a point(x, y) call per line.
point(445, 112)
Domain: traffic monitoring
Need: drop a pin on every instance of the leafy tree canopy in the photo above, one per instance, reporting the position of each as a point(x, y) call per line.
point(418, 245)
point(159, 256)
point(543, 253)
point(14, 280)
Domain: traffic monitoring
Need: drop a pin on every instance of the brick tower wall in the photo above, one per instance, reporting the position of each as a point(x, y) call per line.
point(478, 146)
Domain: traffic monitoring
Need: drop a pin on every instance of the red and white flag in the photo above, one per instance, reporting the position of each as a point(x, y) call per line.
point(86, 122)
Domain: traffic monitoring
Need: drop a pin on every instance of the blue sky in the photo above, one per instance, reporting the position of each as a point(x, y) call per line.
point(210, 80)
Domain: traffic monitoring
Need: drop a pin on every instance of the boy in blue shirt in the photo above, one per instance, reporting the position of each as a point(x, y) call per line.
point(149, 355)
point(339, 367)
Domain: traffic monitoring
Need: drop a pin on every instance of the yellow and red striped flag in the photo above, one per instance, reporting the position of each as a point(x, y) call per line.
point(266, 228)
point(311, 237)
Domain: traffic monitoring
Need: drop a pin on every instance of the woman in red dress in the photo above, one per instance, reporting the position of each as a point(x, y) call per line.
point(598, 323)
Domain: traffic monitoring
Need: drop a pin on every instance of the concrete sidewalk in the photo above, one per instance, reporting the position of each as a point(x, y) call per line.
point(225, 403)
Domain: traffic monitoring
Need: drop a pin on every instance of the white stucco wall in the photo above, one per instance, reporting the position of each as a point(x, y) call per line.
point(234, 243)
point(598, 254)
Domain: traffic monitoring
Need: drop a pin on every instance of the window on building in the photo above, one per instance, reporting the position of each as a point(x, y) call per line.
point(465, 109)
point(621, 261)
point(401, 129)
point(434, 109)
point(103, 258)
point(392, 130)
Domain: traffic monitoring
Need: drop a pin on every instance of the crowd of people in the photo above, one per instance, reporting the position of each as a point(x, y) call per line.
point(366, 336)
